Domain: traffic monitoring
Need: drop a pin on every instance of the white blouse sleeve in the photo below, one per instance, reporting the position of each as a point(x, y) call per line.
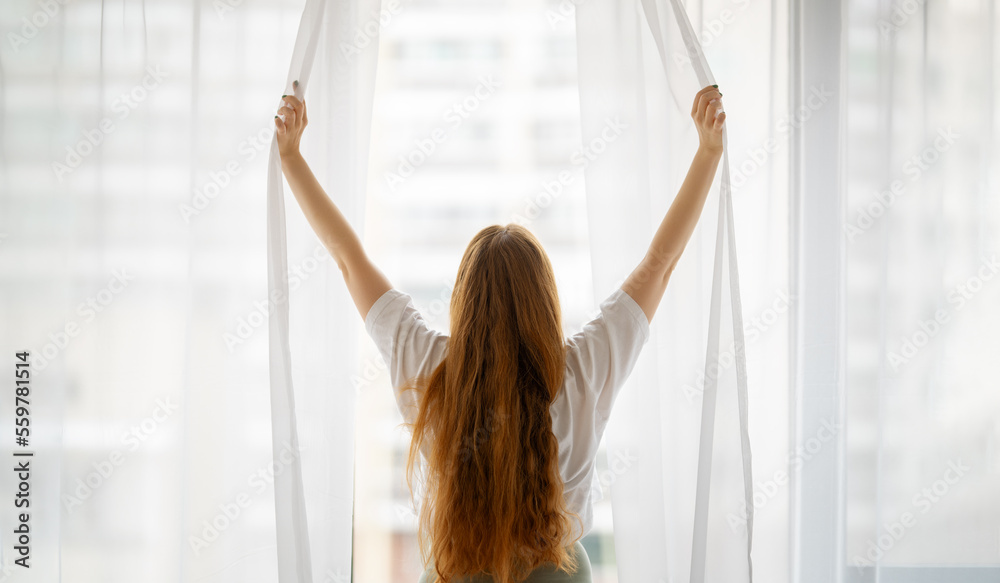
point(408, 346)
point(604, 352)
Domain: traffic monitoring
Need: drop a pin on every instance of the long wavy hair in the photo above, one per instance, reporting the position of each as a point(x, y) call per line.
point(493, 496)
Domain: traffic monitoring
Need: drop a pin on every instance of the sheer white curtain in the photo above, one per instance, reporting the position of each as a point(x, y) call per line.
point(311, 389)
point(637, 70)
point(895, 222)
point(862, 142)
point(135, 142)
point(135, 171)
point(920, 233)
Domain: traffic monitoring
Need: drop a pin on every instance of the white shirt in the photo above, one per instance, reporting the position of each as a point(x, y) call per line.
point(598, 360)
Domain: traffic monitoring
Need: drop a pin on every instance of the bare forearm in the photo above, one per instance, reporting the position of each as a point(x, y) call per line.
point(648, 281)
point(364, 281)
point(678, 225)
point(330, 225)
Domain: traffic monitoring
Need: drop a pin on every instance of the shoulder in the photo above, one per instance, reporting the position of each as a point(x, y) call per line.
point(600, 357)
point(621, 306)
point(618, 315)
point(392, 302)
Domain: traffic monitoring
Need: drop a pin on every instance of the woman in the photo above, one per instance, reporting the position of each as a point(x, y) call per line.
point(506, 413)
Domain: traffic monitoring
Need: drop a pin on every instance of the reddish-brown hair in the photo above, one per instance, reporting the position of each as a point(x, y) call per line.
point(493, 496)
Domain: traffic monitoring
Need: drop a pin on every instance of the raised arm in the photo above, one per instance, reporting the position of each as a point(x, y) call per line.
point(648, 281)
point(364, 281)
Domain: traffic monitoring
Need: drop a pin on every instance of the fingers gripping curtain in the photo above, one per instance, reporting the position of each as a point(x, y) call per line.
point(620, 69)
point(344, 74)
point(636, 56)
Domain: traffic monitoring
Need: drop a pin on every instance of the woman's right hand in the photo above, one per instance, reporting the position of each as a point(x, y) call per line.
point(290, 130)
point(706, 103)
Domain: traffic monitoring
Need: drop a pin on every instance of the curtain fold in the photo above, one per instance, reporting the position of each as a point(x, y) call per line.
point(921, 239)
point(342, 71)
point(134, 277)
point(636, 59)
point(291, 523)
point(136, 141)
point(173, 439)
